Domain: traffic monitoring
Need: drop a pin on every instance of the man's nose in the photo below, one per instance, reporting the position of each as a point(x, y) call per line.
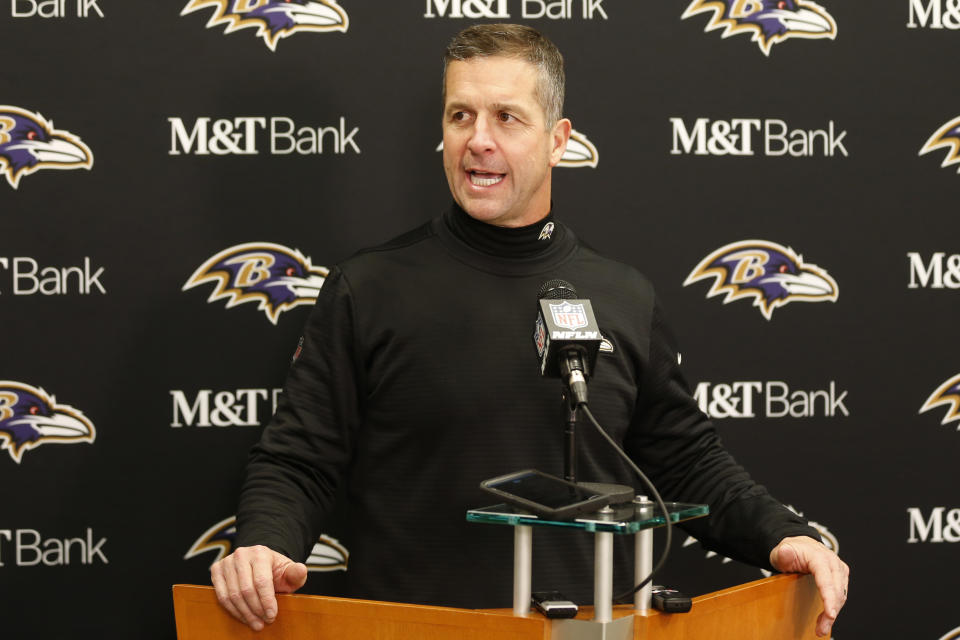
point(482, 136)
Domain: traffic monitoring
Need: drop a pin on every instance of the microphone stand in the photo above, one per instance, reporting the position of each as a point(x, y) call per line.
point(569, 436)
point(619, 493)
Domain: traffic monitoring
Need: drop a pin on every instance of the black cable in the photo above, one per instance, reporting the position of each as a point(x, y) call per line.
point(656, 496)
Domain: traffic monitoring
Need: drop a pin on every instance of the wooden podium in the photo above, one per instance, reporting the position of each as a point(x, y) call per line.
point(782, 607)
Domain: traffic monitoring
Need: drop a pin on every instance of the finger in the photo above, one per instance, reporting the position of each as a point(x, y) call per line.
point(837, 597)
point(830, 591)
point(840, 575)
point(843, 581)
point(262, 576)
point(236, 596)
point(220, 586)
point(824, 625)
point(250, 579)
point(833, 590)
point(293, 576)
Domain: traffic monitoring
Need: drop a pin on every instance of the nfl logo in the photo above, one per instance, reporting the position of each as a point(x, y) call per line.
point(540, 336)
point(569, 316)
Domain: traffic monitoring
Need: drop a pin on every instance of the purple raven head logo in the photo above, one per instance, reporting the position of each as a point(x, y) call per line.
point(768, 21)
point(277, 277)
point(273, 19)
point(327, 553)
point(947, 395)
point(28, 143)
point(29, 417)
point(947, 137)
point(769, 273)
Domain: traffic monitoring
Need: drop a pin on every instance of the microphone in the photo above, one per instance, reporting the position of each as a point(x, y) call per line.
point(566, 337)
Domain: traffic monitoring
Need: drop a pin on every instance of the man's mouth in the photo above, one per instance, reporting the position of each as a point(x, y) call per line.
point(485, 178)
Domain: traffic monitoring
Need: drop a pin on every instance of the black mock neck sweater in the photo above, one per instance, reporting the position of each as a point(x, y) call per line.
point(418, 379)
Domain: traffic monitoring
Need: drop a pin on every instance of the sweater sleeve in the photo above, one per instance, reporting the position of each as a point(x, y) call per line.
point(293, 472)
point(682, 452)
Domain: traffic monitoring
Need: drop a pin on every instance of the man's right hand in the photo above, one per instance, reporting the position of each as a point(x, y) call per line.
point(247, 580)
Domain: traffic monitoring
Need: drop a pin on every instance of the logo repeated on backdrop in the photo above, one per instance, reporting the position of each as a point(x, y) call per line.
point(529, 9)
point(30, 549)
point(946, 137)
point(768, 273)
point(933, 275)
point(272, 19)
point(826, 536)
point(30, 417)
point(55, 8)
point(233, 408)
point(771, 399)
point(580, 152)
point(942, 525)
point(29, 142)
point(327, 554)
point(934, 14)
point(735, 137)
point(276, 277)
point(769, 22)
point(29, 279)
point(239, 136)
point(947, 395)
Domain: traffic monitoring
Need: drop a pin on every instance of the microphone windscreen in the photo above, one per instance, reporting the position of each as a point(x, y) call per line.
point(556, 290)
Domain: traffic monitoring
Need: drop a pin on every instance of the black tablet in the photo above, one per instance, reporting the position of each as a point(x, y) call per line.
point(545, 495)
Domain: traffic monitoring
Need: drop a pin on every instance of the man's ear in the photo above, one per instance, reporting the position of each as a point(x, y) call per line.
point(560, 135)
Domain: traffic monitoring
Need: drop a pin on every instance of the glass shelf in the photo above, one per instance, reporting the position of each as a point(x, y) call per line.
point(623, 519)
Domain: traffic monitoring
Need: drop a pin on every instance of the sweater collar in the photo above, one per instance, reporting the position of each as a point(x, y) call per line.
point(503, 242)
point(533, 248)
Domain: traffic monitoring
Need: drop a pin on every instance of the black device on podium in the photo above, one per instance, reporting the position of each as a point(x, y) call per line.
point(552, 497)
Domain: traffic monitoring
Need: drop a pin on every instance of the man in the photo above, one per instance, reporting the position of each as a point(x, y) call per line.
point(417, 380)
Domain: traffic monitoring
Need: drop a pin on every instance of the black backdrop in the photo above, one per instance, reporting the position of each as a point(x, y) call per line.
point(93, 534)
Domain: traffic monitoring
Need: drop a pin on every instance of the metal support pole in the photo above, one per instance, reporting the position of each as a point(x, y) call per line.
point(522, 568)
point(643, 563)
point(569, 438)
point(603, 575)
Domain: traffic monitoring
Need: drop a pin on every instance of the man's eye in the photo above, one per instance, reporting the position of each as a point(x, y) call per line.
point(505, 117)
point(459, 116)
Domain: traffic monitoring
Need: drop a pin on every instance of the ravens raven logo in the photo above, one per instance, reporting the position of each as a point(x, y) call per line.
point(30, 417)
point(771, 274)
point(28, 143)
point(327, 554)
point(769, 21)
point(947, 395)
point(947, 137)
point(580, 152)
point(273, 19)
point(277, 277)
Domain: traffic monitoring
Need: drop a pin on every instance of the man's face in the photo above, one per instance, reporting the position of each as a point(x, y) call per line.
point(497, 150)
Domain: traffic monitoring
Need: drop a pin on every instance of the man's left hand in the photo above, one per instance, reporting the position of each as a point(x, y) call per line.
point(800, 554)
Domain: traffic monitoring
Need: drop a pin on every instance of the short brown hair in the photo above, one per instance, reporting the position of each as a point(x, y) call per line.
point(516, 41)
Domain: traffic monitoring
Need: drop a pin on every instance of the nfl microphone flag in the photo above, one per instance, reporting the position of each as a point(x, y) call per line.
point(561, 324)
